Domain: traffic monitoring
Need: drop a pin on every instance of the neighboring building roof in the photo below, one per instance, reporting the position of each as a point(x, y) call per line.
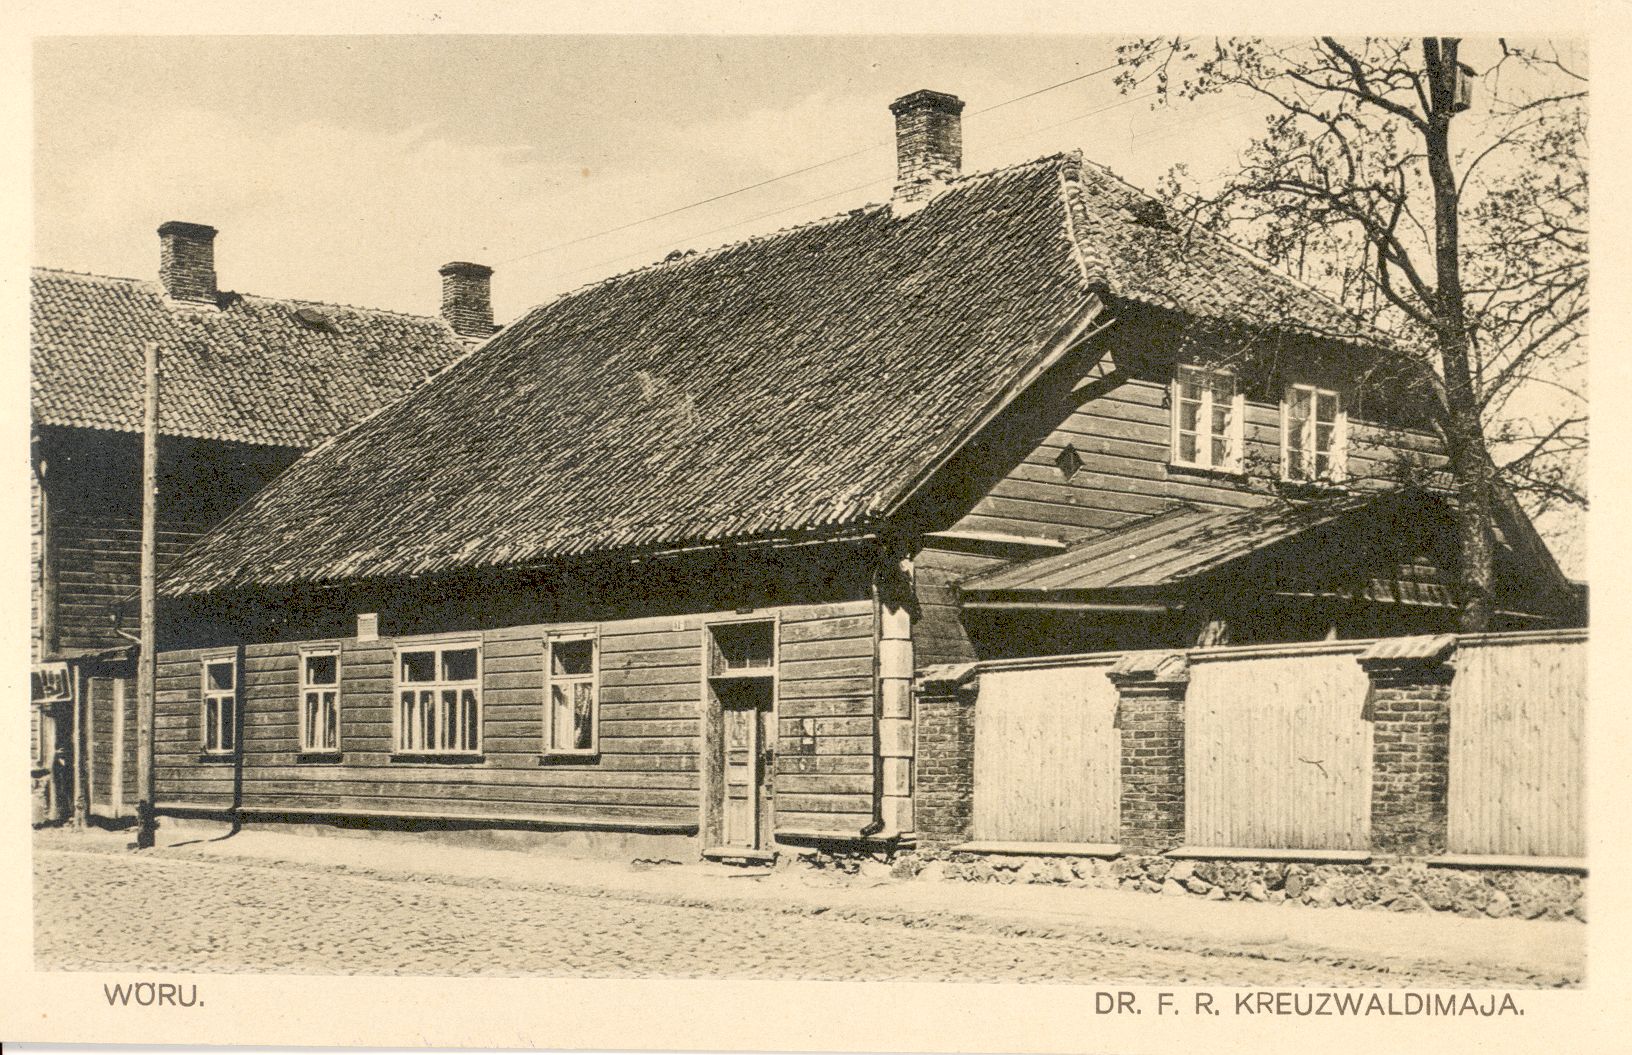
point(288, 373)
point(795, 383)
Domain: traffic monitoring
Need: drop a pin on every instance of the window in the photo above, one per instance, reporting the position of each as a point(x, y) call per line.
point(1314, 434)
point(220, 693)
point(1207, 417)
point(439, 696)
point(742, 648)
point(570, 691)
point(320, 700)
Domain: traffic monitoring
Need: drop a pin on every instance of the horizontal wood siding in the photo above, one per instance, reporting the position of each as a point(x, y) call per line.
point(938, 633)
point(651, 685)
point(1123, 440)
point(825, 686)
point(1518, 713)
point(1047, 756)
point(1277, 752)
point(98, 565)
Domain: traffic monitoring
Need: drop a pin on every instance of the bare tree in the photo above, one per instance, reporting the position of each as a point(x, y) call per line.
point(1358, 186)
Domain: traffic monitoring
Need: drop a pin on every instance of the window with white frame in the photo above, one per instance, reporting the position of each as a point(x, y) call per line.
point(1314, 434)
point(220, 696)
point(571, 665)
point(320, 699)
point(439, 698)
point(1207, 419)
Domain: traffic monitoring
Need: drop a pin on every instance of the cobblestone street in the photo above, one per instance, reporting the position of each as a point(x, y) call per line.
point(172, 909)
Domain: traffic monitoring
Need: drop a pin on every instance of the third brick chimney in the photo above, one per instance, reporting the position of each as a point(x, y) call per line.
point(187, 261)
point(467, 298)
point(928, 143)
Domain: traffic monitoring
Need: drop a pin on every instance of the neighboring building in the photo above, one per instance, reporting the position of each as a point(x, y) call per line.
point(247, 384)
point(662, 558)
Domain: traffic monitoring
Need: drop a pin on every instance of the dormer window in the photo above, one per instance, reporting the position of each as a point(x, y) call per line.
point(1314, 434)
point(1207, 415)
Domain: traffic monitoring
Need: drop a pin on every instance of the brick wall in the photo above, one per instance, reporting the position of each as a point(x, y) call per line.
point(944, 770)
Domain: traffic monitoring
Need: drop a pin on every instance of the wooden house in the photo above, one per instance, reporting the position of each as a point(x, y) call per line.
point(247, 384)
point(658, 563)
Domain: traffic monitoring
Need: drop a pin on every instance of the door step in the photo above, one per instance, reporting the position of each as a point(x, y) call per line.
point(739, 855)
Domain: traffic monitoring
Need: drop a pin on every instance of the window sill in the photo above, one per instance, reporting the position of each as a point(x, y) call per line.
point(319, 757)
point(1314, 487)
point(568, 758)
point(218, 757)
point(445, 758)
point(1205, 471)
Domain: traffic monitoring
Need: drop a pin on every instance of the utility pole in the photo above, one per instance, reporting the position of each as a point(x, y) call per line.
point(146, 823)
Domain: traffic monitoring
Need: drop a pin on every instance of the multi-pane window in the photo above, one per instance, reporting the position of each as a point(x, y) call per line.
point(1314, 431)
point(1207, 419)
point(569, 720)
point(439, 698)
point(220, 693)
point(320, 700)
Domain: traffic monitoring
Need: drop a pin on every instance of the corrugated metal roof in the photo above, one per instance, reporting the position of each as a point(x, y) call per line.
point(1160, 551)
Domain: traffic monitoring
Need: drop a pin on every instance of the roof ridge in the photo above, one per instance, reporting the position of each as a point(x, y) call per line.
point(155, 285)
point(682, 255)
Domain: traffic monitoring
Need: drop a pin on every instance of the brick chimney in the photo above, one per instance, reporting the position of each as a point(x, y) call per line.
point(928, 143)
point(187, 261)
point(467, 298)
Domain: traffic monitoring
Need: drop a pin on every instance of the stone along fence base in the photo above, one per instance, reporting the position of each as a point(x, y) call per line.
point(1378, 885)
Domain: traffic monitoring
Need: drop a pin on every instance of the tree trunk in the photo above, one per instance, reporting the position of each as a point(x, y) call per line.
point(1470, 462)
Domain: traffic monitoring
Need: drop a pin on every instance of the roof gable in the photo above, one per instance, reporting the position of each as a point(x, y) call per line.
point(254, 370)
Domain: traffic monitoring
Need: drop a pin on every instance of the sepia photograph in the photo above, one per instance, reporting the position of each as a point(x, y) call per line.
point(1095, 511)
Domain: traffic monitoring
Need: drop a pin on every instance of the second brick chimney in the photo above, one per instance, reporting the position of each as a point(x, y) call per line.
point(928, 143)
point(187, 261)
point(467, 298)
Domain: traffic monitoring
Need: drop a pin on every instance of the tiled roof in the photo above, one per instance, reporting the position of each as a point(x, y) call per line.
point(254, 370)
point(799, 382)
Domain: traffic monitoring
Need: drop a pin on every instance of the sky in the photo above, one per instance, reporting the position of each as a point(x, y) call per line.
point(348, 169)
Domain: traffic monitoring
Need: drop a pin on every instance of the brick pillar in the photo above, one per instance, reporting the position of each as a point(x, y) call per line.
point(1150, 715)
point(945, 764)
point(1409, 707)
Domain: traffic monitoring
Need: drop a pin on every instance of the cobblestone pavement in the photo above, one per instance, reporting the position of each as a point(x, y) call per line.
point(98, 911)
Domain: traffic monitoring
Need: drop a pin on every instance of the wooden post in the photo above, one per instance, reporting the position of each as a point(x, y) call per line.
point(82, 741)
point(145, 659)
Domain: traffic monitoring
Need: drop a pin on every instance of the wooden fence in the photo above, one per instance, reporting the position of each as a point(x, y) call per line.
point(1047, 757)
point(1516, 775)
point(1278, 749)
point(1277, 753)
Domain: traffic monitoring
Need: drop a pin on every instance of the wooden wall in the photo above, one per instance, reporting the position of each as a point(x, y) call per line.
point(1518, 715)
point(646, 775)
point(1122, 437)
point(97, 561)
point(1277, 752)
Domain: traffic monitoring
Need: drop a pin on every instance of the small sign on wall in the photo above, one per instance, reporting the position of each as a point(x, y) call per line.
point(368, 626)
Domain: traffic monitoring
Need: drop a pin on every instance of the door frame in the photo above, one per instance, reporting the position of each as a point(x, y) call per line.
point(711, 783)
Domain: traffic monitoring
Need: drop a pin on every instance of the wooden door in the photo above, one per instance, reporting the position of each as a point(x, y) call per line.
point(746, 787)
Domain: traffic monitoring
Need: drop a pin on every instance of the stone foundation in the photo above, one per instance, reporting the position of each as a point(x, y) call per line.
point(1394, 886)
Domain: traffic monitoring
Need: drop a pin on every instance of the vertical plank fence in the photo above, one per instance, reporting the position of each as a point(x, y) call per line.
point(1047, 755)
point(1277, 751)
point(1518, 707)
